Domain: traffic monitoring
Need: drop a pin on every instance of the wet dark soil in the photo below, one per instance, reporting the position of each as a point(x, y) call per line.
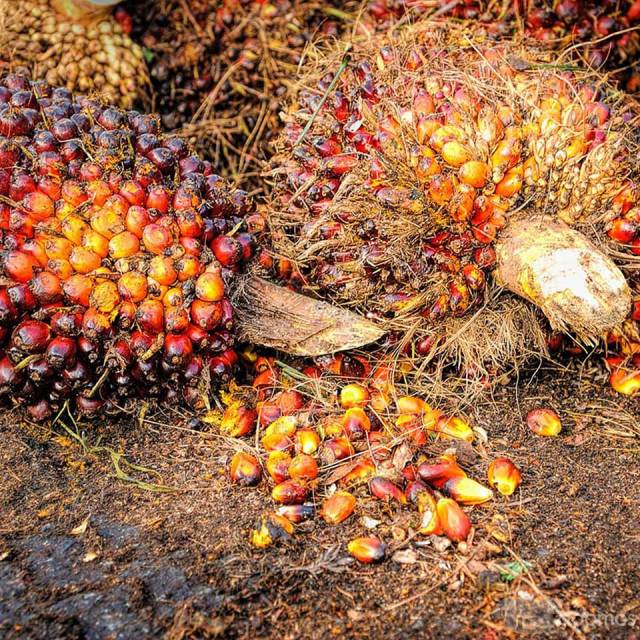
point(86, 555)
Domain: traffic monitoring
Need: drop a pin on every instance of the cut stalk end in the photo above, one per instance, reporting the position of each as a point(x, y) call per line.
point(576, 285)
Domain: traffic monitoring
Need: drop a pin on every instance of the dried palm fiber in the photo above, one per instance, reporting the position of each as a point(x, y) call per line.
point(219, 69)
point(409, 170)
point(75, 44)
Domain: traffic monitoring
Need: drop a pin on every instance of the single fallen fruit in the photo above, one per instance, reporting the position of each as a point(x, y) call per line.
point(454, 521)
point(544, 422)
point(504, 476)
point(75, 43)
point(245, 470)
point(367, 549)
point(466, 491)
point(338, 507)
point(271, 528)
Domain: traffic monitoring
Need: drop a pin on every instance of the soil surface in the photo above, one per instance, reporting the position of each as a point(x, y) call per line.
point(84, 554)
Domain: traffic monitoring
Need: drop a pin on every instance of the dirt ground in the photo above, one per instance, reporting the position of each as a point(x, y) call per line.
point(86, 555)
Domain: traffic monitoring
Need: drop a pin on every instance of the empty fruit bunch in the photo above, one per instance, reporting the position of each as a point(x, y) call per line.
point(418, 174)
point(114, 255)
point(76, 44)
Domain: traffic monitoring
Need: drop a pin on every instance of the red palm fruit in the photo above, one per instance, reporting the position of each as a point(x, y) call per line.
point(307, 441)
point(625, 382)
point(338, 448)
point(77, 289)
point(38, 205)
point(31, 336)
point(297, 513)
point(19, 266)
point(10, 377)
point(303, 467)
point(412, 425)
point(386, 490)
point(150, 316)
point(289, 492)
point(466, 491)
point(206, 315)
point(354, 395)
point(210, 287)
point(289, 401)
point(40, 410)
point(271, 528)
point(504, 476)
point(367, 549)
point(245, 470)
point(66, 323)
point(454, 521)
point(46, 287)
point(355, 423)
point(96, 325)
point(61, 352)
point(277, 465)
point(227, 250)
point(178, 349)
point(544, 422)
point(8, 311)
point(440, 471)
point(338, 507)
point(176, 320)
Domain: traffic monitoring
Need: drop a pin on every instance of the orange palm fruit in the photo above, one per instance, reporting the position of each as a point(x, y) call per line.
point(466, 491)
point(354, 395)
point(338, 507)
point(277, 465)
point(296, 513)
point(367, 549)
point(504, 476)
point(454, 521)
point(238, 420)
point(355, 422)
point(429, 519)
point(544, 422)
point(303, 467)
point(625, 382)
point(245, 469)
point(453, 427)
point(307, 441)
point(361, 472)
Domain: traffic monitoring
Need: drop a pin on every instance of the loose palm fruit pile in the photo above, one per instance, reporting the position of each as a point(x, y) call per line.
point(68, 43)
point(116, 249)
point(413, 171)
point(335, 450)
point(219, 69)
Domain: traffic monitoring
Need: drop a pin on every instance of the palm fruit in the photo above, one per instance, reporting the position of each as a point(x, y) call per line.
point(504, 476)
point(544, 422)
point(111, 289)
point(77, 44)
point(410, 185)
point(367, 549)
point(598, 32)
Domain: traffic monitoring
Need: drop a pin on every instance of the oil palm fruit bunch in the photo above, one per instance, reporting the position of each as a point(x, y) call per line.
point(416, 187)
point(335, 440)
point(219, 68)
point(117, 246)
point(74, 43)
